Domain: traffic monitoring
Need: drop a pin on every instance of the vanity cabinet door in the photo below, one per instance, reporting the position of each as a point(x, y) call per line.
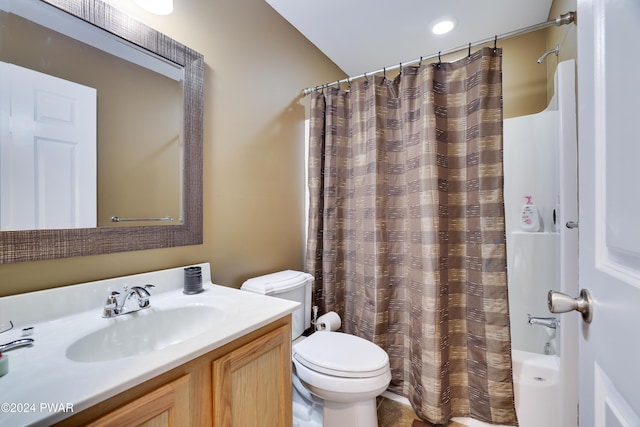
point(167, 406)
point(252, 384)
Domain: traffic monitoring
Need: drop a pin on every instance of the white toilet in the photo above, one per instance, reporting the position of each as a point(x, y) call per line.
point(341, 373)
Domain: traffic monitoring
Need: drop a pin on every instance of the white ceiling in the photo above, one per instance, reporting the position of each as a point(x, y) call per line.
point(367, 35)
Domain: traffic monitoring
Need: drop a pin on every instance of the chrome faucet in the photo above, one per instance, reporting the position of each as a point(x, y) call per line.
point(15, 344)
point(549, 322)
point(114, 307)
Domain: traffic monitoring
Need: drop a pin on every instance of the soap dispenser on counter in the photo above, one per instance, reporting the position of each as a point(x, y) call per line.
point(529, 216)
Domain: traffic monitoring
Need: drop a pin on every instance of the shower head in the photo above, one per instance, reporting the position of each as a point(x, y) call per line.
point(549, 52)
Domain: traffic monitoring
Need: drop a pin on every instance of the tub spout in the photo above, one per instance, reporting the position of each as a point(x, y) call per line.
point(549, 322)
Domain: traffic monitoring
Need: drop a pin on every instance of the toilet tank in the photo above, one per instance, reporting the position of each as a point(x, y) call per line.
point(291, 285)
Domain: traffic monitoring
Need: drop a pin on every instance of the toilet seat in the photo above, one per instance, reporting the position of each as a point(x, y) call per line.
point(341, 389)
point(341, 355)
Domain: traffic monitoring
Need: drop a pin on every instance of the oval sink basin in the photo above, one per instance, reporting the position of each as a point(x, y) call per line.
point(142, 332)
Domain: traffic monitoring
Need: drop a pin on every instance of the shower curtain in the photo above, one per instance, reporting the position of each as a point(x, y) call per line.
point(407, 233)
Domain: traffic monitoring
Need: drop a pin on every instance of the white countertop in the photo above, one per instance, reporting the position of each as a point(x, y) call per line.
point(43, 382)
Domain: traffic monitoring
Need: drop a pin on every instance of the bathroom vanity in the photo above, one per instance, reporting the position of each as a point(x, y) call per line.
point(244, 383)
point(218, 358)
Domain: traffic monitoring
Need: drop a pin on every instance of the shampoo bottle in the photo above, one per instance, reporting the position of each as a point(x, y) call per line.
point(529, 217)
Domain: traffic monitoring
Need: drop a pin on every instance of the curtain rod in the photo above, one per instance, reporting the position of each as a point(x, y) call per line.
point(563, 19)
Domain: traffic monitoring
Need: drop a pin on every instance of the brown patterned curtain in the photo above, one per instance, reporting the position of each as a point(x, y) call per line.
point(407, 232)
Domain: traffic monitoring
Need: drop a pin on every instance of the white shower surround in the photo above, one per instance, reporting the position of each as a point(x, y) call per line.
point(530, 165)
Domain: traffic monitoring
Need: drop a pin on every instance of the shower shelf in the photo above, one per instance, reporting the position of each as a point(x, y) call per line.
point(537, 233)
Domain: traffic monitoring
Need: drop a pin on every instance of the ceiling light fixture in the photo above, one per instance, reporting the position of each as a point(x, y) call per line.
point(158, 7)
point(443, 26)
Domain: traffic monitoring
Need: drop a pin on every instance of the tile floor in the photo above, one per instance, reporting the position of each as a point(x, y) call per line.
point(396, 414)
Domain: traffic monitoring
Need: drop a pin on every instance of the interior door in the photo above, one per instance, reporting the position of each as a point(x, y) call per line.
point(48, 169)
point(609, 147)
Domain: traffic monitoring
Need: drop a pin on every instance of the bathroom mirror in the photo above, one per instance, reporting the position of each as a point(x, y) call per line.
point(184, 70)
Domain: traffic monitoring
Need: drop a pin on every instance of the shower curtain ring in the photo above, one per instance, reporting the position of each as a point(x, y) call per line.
point(384, 73)
point(366, 79)
point(495, 44)
point(420, 63)
point(469, 49)
point(439, 60)
point(349, 82)
point(400, 72)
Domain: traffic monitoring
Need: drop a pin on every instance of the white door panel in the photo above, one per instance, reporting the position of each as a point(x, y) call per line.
point(609, 204)
point(48, 157)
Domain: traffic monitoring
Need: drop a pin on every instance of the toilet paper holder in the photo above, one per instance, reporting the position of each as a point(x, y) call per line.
point(314, 321)
point(329, 321)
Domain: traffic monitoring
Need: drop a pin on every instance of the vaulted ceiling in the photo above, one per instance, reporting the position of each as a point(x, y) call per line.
point(366, 35)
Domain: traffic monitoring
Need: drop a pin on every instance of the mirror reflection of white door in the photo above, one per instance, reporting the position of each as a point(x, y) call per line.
point(48, 172)
point(609, 147)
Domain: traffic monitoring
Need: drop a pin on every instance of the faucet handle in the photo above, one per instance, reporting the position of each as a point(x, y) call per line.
point(143, 295)
point(143, 291)
point(113, 298)
point(110, 308)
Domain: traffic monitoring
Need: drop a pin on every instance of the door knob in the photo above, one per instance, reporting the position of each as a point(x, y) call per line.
point(563, 303)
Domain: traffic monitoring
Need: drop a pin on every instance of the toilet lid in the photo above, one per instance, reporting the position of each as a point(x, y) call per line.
point(342, 355)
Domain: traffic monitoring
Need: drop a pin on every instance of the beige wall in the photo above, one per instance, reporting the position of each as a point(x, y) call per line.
point(524, 81)
point(256, 65)
point(566, 36)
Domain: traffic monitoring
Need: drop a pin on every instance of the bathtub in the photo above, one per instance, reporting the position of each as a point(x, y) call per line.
point(537, 389)
point(536, 381)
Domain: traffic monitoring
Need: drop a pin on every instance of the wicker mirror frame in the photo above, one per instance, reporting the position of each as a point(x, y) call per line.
point(35, 245)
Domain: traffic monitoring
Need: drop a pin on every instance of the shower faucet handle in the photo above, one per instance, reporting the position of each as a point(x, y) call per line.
point(563, 303)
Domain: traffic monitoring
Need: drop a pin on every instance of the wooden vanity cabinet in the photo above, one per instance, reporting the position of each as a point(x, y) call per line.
point(251, 386)
point(245, 383)
point(164, 407)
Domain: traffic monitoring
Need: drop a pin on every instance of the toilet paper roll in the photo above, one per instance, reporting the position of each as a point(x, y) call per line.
point(328, 322)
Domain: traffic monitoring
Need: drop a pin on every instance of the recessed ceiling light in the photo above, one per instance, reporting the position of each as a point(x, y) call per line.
point(443, 26)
